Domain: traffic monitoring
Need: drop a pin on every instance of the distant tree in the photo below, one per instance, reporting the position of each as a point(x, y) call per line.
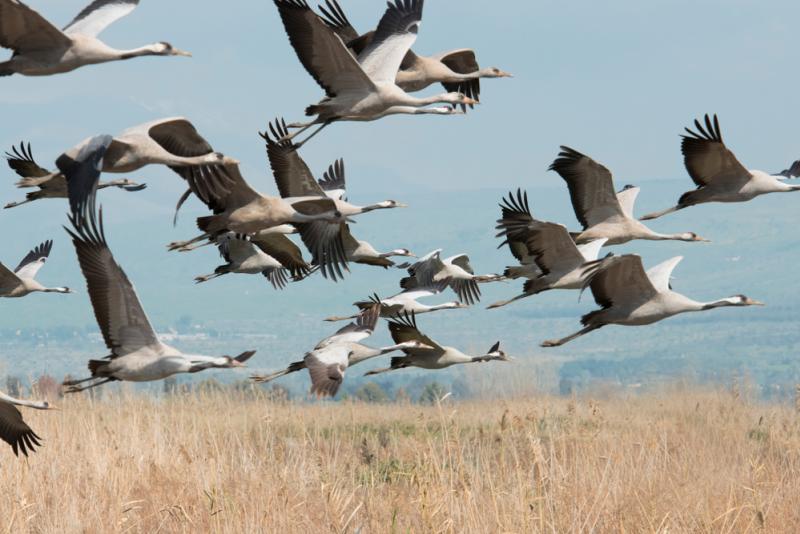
point(170, 385)
point(46, 386)
point(209, 385)
point(13, 385)
point(432, 393)
point(401, 396)
point(372, 393)
point(279, 393)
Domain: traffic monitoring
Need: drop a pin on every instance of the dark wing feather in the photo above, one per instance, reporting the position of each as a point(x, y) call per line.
point(463, 62)
point(324, 241)
point(14, 430)
point(40, 252)
point(322, 53)
point(333, 15)
point(292, 175)
point(403, 328)
point(621, 279)
point(23, 30)
point(21, 162)
point(551, 245)
point(591, 187)
point(119, 313)
point(285, 251)
point(706, 157)
point(792, 172)
point(82, 171)
point(334, 177)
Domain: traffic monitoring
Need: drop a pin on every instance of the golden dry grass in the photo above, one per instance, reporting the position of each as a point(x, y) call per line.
point(685, 461)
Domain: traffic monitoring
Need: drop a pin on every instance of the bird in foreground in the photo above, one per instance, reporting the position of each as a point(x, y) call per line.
point(602, 213)
point(455, 271)
point(13, 429)
point(41, 49)
point(457, 70)
point(561, 264)
point(137, 355)
point(360, 88)
point(629, 296)
point(48, 184)
point(294, 179)
point(244, 257)
point(22, 281)
point(239, 208)
point(333, 355)
point(404, 329)
point(405, 302)
point(718, 174)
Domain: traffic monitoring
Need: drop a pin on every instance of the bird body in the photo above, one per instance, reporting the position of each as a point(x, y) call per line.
point(629, 296)
point(432, 356)
point(136, 352)
point(363, 87)
point(22, 281)
point(329, 360)
point(602, 213)
point(40, 49)
point(718, 174)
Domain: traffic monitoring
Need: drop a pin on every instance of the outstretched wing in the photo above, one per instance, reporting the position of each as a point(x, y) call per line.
point(292, 175)
point(463, 62)
point(34, 260)
point(403, 328)
point(394, 36)
point(591, 187)
point(660, 274)
point(622, 280)
point(119, 313)
point(706, 157)
point(98, 16)
point(285, 251)
point(322, 52)
point(14, 430)
point(333, 181)
point(627, 199)
point(554, 249)
point(21, 162)
point(358, 330)
point(333, 15)
point(23, 30)
point(326, 367)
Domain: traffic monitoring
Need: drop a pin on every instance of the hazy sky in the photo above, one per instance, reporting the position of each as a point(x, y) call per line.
point(617, 80)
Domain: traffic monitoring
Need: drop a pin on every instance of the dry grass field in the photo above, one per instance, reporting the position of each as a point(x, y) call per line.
point(681, 461)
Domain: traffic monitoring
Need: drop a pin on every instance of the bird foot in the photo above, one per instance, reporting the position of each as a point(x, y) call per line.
point(551, 343)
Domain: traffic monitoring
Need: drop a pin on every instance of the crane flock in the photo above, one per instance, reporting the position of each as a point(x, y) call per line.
point(365, 77)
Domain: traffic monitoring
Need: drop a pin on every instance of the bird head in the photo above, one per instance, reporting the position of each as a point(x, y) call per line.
point(743, 300)
point(496, 354)
point(494, 72)
point(163, 48)
point(691, 236)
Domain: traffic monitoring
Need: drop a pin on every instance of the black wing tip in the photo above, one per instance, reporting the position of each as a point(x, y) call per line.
point(709, 130)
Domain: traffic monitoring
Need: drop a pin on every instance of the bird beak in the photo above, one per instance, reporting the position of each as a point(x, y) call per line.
point(702, 239)
point(504, 74)
point(350, 220)
point(184, 53)
point(230, 161)
point(56, 408)
point(470, 101)
point(753, 302)
point(400, 205)
point(237, 363)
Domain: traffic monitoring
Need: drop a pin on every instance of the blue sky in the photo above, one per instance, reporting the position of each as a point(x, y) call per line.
point(617, 80)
